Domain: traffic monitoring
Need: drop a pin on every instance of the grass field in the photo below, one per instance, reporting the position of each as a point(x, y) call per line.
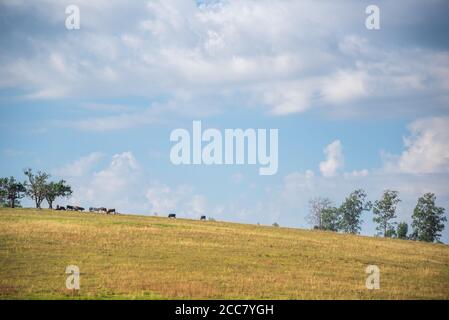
point(137, 257)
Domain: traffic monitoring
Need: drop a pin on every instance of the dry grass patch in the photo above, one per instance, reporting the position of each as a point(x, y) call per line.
point(135, 257)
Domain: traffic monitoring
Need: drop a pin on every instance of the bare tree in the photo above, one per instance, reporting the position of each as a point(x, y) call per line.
point(316, 208)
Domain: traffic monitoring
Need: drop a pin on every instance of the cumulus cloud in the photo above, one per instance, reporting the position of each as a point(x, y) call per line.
point(427, 147)
point(124, 185)
point(115, 186)
point(114, 179)
point(80, 166)
point(334, 159)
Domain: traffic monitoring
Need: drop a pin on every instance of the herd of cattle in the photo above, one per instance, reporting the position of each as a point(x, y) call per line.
point(91, 209)
point(103, 210)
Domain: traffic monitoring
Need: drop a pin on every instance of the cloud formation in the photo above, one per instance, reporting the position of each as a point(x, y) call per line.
point(426, 148)
point(165, 48)
point(334, 159)
point(80, 166)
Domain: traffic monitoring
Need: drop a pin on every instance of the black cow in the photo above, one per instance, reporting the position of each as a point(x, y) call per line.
point(58, 207)
point(172, 215)
point(203, 218)
point(78, 208)
point(70, 207)
point(101, 209)
point(110, 211)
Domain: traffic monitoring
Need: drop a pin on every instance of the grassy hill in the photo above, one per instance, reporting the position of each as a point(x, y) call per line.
point(137, 257)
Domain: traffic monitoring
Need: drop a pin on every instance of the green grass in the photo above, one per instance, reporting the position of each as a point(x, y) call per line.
point(136, 257)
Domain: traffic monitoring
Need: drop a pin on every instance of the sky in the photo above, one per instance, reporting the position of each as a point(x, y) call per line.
point(354, 108)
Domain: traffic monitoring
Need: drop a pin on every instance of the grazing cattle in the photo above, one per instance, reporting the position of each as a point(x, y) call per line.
point(70, 207)
point(112, 211)
point(78, 208)
point(203, 218)
point(172, 215)
point(100, 210)
point(58, 207)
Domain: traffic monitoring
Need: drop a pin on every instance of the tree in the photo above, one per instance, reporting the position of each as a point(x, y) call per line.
point(384, 211)
point(351, 211)
point(402, 230)
point(330, 219)
point(37, 186)
point(317, 206)
point(55, 190)
point(390, 233)
point(2, 192)
point(428, 219)
point(11, 191)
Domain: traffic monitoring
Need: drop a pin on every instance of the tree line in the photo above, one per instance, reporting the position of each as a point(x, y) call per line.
point(428, 219)
point(36, 186)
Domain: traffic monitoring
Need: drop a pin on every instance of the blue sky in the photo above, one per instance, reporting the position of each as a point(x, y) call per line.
point(354, 107)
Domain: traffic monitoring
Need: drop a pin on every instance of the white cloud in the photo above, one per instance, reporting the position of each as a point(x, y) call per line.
point(113, 178)
point(118, 121)
point(79, 167)
point(124, 117)
point(357, 173)
point(116, 186)
point(334, 159)
point(427, 147)
point(124, 185)
point(198, 205)
point(354, 45)
point(286, 99)
point(180, 200)
point(344, 86)
point(162, 199)
point(162, 46)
